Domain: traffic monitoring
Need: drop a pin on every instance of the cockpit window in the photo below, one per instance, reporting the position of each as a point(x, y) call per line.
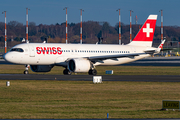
point(17, 49)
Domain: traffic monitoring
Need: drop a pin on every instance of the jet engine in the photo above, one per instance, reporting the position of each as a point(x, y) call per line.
point(79, 65)
point(41, 68)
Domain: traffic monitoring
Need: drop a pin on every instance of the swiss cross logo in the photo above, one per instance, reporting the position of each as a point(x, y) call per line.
point(148, 30)
point(161, 46)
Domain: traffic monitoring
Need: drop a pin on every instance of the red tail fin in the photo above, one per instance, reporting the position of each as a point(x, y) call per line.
point(146, 33)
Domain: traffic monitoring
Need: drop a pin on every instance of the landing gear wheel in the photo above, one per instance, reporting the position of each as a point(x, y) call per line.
point(67, 72)
point(26, 72)
point(26, 69)
point(92, 72)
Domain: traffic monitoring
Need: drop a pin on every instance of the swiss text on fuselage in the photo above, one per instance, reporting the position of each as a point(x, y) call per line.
point(48, 50)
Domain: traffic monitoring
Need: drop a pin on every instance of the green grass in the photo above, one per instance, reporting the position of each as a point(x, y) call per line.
point(83, 99)
point(118, 70)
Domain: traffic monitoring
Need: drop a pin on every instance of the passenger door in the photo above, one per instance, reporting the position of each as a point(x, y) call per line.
point(31, 51)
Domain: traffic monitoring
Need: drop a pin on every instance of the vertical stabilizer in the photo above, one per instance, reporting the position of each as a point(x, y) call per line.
point(146, 33)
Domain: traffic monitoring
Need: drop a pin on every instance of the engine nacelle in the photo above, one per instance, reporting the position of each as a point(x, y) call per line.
point(41, 68)
point(79, 65)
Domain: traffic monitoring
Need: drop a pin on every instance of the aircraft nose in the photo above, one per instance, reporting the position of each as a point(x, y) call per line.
point(7, 57)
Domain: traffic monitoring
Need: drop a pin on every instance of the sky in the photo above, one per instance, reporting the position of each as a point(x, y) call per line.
point(51, 11)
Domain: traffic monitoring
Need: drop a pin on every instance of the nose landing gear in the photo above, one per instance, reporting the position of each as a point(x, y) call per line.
point(26, 69)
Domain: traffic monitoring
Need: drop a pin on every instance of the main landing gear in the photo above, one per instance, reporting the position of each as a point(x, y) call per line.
point(67, 72)
point(92, 72)
point(26, 69)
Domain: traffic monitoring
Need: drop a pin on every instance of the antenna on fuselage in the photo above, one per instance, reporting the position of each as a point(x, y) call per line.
point(23, 40)
point(100, 40)
point(45, 40)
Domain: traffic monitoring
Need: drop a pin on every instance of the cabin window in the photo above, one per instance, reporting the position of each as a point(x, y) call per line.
point(17, 49)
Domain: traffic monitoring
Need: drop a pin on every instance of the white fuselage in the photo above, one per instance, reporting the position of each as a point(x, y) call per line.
point(58, 54)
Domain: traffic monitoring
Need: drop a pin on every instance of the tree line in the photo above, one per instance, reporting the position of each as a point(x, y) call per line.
point(91, 32)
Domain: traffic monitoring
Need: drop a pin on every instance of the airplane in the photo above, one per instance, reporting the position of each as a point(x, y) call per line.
point(42, 57)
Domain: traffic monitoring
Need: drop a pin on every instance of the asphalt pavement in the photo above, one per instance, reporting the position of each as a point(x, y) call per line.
point(133, 78)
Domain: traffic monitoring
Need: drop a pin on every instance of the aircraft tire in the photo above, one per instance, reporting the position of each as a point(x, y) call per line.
point(92, 72)
point(67, 72)
point(26, 72)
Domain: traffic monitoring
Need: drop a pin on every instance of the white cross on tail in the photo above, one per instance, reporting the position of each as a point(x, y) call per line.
point(148, 30)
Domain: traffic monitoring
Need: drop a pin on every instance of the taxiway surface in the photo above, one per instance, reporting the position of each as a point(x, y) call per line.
point(135, 78)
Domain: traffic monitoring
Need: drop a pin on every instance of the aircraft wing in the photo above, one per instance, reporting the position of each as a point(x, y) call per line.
point(113, 56)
